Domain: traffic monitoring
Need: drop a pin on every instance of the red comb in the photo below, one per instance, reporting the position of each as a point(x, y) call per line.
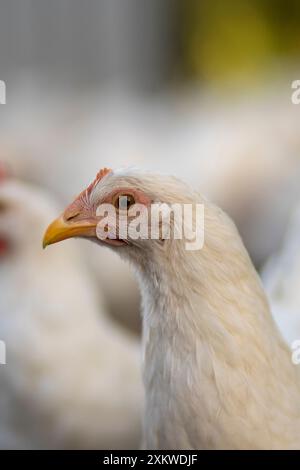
point(103, 172)
point(3, 246)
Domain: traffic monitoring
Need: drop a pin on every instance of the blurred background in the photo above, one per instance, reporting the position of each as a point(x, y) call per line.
point(201, 90)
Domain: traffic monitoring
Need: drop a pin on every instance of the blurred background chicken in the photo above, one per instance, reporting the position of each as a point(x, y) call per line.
point(72, 378)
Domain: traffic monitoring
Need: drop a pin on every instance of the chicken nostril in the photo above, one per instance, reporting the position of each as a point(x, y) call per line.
point(71, 217)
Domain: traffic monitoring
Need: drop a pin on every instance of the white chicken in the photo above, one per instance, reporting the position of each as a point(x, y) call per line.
point(72, 378)
point(217, 373)
point(281, 278)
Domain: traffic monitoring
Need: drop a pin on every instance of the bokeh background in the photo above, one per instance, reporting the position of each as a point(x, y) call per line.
point(198, 89)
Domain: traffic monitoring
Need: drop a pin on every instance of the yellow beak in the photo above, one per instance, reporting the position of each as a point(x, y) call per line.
point(61, 230)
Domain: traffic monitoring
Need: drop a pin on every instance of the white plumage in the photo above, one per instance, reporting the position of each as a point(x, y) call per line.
point(72, 378)
point(217, 373)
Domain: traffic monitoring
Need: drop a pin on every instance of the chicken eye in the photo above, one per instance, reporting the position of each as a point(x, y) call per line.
point(72, 216)
point(124, 201)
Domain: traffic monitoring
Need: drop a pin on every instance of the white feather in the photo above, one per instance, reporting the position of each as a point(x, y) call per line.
point(217, 373)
